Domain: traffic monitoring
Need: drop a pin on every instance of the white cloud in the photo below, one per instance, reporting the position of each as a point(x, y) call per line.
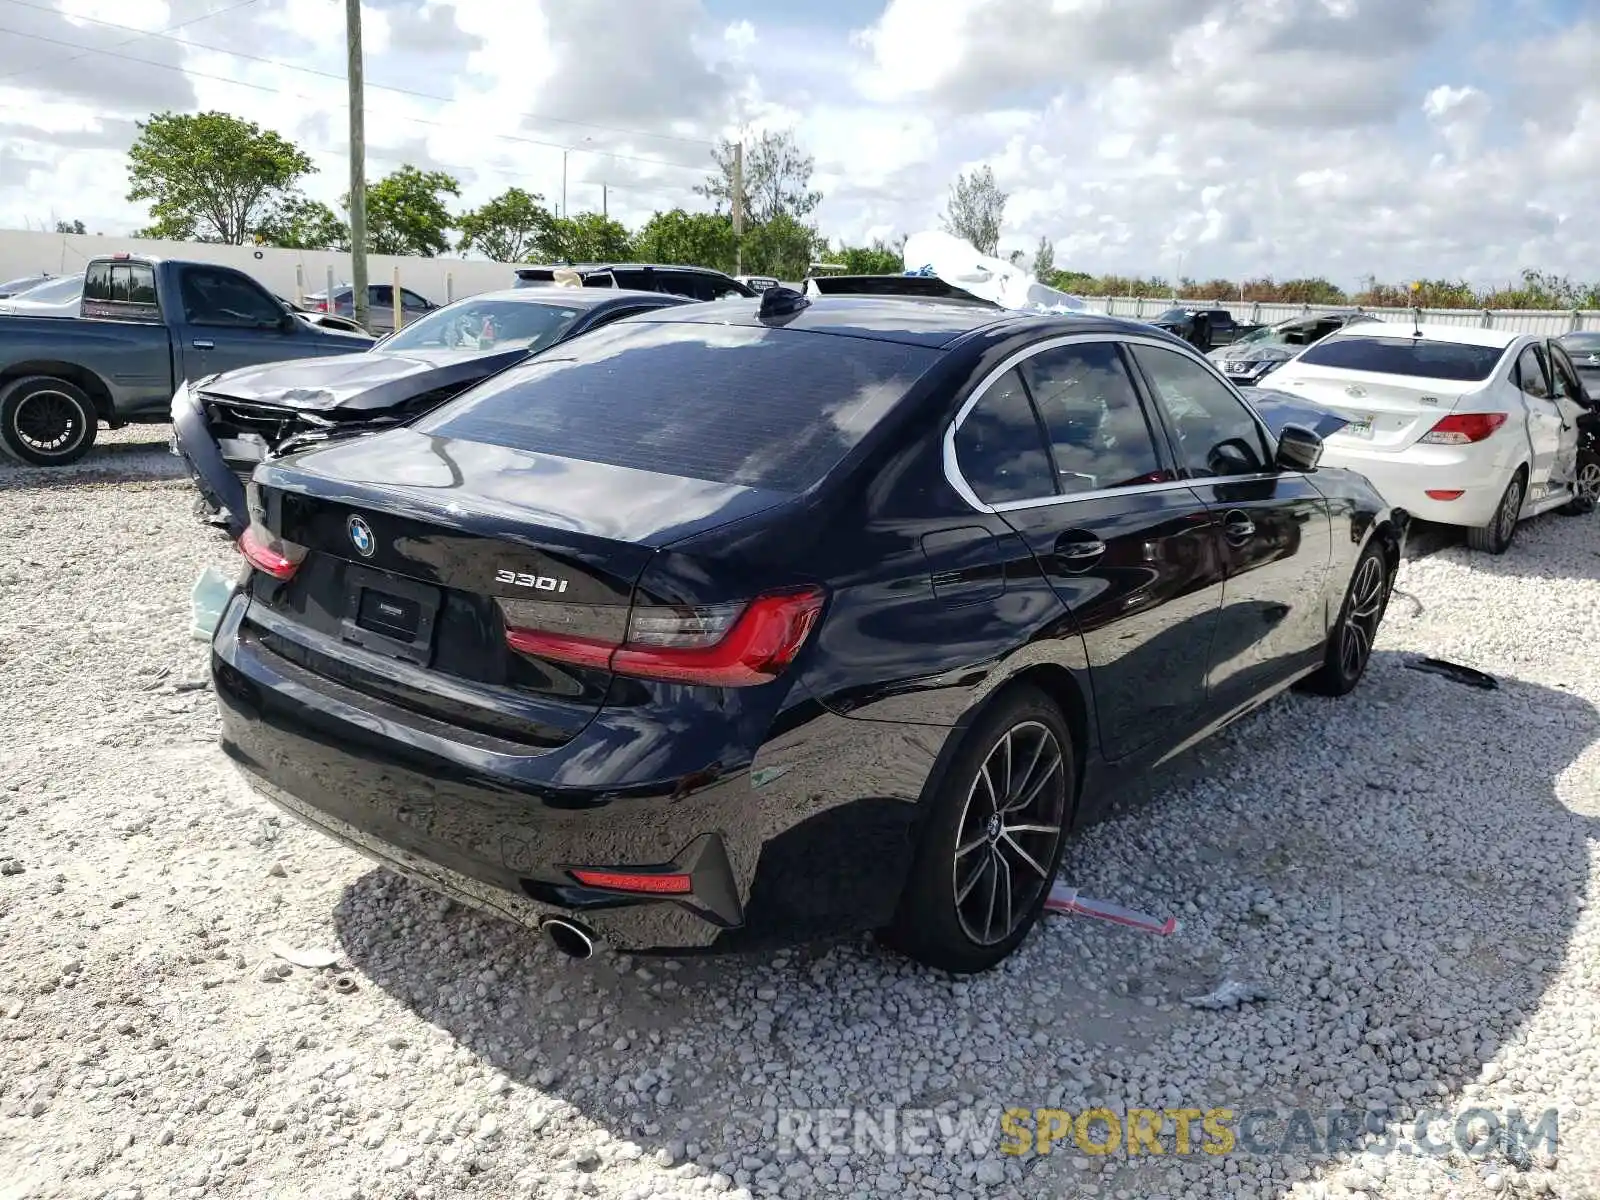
point(1334, 137)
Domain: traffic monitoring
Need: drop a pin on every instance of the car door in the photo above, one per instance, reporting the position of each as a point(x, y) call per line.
point(1276, 536)
point(1572, 402)
point(233, 322)
point(1532, 376)
point(1131, 552)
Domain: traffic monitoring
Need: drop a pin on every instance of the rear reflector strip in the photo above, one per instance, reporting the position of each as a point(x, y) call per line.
point(713, 646)
point(643, 882)
point(1443, 494)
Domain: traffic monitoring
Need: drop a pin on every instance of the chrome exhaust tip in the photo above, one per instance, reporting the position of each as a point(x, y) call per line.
point(568, 937)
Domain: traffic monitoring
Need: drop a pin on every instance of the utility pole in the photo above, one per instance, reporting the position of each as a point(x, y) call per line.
point(738, 206)
point(358, 165)
point(563, 183)
point(605, 209)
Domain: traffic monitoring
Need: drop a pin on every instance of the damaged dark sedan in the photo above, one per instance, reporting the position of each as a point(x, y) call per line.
point(227, 424)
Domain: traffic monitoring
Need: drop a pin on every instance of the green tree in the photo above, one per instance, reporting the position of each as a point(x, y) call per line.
point(70, 227)
point(781, 247)
point(976, 209)
point(1044, 260)
point(777, 179)
point(880, 258)
point(586, 237)
point(509, 227)
point(301, 224)
point(695, 239)
point(211, 177)
point(406, 212)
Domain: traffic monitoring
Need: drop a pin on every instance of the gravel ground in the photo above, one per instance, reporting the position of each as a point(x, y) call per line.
point(1405, 871)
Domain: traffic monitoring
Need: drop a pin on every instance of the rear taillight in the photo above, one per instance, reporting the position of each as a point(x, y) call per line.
point(270, 554)
point(720, 645)
point(1462, 429)
point(319, 305)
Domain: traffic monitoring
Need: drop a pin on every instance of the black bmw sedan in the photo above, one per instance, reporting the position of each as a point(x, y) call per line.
point(227, 424)
point(764, 619)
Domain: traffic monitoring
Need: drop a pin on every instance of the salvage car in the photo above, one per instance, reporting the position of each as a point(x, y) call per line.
point(1583, 348)
point(756, 621)
point(60, 297)
point(15, 287)
point(144, 326)
point(694, 283)
point(380, 306)
point(1202, 328)
point(1258, 353)
point(226, 424)
point(1457, 424)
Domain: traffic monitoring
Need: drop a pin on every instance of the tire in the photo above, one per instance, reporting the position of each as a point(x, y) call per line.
point(960, 912)
point(1495, 537)
point(1350, 641)
point(47, 422)
point(1585, 485)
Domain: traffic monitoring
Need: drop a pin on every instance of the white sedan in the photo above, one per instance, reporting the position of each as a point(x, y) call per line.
point(1465, 426)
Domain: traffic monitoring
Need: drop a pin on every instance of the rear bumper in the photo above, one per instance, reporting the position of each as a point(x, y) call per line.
point(811, 837)
point(1480, 473)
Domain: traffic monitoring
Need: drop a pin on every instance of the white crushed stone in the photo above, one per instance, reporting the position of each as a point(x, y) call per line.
point(1407, 872)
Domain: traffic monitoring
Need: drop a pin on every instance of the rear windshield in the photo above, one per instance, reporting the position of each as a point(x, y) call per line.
point(1425, 358)
point(760, 407)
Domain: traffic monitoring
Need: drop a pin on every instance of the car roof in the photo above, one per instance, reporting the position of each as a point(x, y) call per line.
point(619, 266)
point(574, 297)
point(1465, 335)
point(911, 320)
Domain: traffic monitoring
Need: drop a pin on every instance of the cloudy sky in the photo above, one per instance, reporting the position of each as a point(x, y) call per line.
point(1281, 137)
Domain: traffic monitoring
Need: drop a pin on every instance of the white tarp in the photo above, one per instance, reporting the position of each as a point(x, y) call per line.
point(959, 264)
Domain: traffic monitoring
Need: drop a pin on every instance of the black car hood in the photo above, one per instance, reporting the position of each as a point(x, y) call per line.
point(1278, 409)
point(369, 382)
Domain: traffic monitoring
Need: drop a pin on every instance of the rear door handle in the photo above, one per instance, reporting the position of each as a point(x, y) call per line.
point(198, 344)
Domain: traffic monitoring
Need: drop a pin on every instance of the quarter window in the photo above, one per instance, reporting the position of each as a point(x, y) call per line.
point(1215, 431)
point(1001, 448)
point(1531, 375)
point(1099, 437)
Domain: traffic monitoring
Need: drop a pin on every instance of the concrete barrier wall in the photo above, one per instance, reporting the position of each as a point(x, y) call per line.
point(289, 273)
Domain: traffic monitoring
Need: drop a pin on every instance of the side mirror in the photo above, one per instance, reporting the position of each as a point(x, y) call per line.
point(288, 323)
point(1298, 449)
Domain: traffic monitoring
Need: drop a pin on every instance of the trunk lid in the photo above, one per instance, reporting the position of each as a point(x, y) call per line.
point(1387, 413)
point(423, 552)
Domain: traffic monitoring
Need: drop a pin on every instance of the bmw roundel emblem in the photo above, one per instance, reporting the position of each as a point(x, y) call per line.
point(361, 537)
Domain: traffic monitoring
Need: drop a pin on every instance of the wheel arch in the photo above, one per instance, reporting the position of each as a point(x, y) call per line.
point(1058, 684)
point(92, 385)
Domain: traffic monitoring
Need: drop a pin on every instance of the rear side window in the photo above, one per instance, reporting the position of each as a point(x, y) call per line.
point(1001, 449)
point(1424, 358)
point(1098, 434)
point(759, 407)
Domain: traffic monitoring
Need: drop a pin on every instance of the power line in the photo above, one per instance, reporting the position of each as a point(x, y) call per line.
point(382, 87)
point(261, 87)
point(216, 12)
